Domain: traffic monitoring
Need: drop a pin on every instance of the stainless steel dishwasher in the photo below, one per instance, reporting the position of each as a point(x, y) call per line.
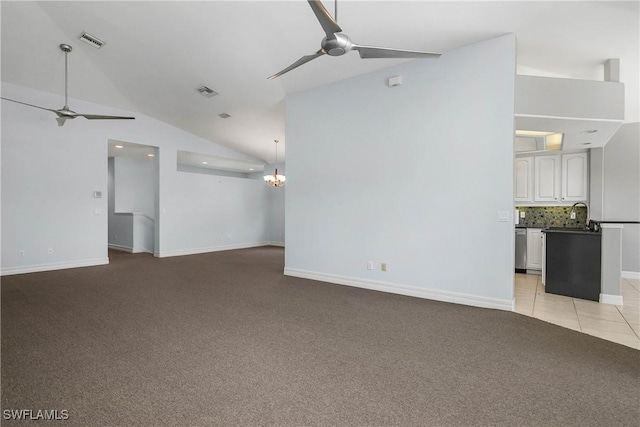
point(521, 250)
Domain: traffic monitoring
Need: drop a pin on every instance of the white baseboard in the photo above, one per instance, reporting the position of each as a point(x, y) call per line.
point(181, 252)
point(412, 291)
point(120, 248)
point(53, 266)
point(611, 299)
point(129, 249)
point(630, 275)
point(279, 244)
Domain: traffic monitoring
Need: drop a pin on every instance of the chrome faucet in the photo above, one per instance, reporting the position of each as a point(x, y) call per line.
point(573, 210)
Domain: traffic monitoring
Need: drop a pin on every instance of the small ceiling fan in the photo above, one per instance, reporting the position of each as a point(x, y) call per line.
point(65, 113)
point(336, 43)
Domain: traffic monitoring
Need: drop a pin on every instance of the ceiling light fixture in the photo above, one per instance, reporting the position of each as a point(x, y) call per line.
point(205, 163)
point(149, 155)
point(224, 116)
point(532, 133)
point(275, 180)
point(589, 131)
point(554, 141)
point(536, 140)
point(119, 146)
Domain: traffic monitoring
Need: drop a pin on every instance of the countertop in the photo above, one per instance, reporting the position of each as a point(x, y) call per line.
point(571, 231)
point(618, 222)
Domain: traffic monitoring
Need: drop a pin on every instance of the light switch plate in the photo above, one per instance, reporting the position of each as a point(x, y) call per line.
point(97, 194)
point(522, 214)
point(503, 216)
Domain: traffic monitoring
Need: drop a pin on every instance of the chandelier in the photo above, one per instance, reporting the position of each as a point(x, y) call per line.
point(275, 180)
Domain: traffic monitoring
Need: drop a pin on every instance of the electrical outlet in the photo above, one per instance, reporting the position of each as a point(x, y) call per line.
point(383, 266)
point(573, 215)
point(50, 251)
point(21, 253)
point(522, 214)
point(369, 265)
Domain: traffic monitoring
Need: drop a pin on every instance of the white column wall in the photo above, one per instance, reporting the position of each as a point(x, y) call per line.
point(412, 176)
point(621, 190)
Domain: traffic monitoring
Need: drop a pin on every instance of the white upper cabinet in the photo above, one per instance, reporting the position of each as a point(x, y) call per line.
point(547, 179)
point(551, 179)
point(574, 177)
point(523, 187)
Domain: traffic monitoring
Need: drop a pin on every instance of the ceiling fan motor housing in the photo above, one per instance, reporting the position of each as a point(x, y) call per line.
point(338, 45)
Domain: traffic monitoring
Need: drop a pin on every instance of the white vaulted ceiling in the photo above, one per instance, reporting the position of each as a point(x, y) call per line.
point(157, 52)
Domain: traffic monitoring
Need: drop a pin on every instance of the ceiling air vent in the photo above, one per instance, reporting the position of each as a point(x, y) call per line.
point(205, 91)
point(91, 40)
point(224, 116)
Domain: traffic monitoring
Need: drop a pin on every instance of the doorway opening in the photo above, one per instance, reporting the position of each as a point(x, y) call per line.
point(133, 204)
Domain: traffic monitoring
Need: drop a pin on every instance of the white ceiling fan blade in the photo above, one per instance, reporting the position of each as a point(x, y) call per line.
point(99, 117)
point(65, 113)
point(368, 52)
point(298, 63)
point(29, 105)
point(329, 25)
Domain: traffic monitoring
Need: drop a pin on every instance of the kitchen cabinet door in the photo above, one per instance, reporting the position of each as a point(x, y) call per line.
point(534, 248)
point(575, 177)
point(523, 187)
point(547, 178)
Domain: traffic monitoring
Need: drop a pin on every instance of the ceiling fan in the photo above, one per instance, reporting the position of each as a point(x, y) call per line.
point(336, 43)
point(65, 113)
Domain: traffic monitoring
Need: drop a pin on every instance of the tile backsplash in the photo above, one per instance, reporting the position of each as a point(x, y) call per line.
point(552, 216)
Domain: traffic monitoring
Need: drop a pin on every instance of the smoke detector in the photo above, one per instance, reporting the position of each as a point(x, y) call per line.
point(91, 40)
point(206, 92)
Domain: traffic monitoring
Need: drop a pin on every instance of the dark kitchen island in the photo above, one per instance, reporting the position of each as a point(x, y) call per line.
point(573, 263)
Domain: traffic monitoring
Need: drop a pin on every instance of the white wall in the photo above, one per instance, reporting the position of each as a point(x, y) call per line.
point(49, 174)
point(276, 206)
point(275, 203)
point(554, 97)
point(621, 190)
point(135, 182)
point(120, 227)
point(214, 212)
point(413, 176)
point(207, 171)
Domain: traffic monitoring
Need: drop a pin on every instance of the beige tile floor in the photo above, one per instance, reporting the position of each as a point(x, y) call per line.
point(615, 323)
